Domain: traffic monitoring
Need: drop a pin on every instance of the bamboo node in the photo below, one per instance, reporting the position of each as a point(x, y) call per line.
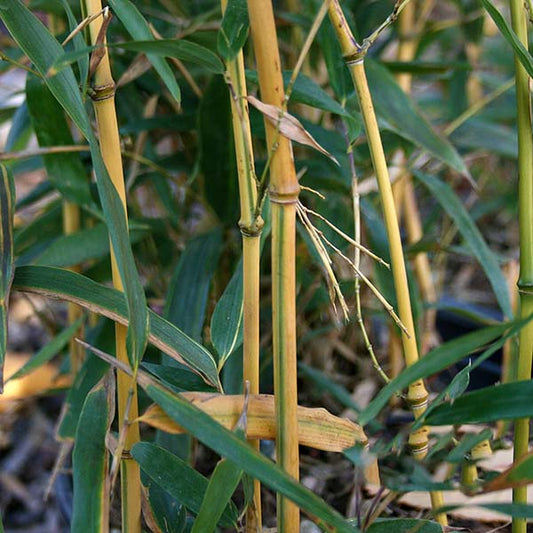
point(357, 58)
point(283, 198)
point(525, 287)
point(102, 92)
point(254, 229)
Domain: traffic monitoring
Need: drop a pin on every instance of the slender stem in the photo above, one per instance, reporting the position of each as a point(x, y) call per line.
point(283, 193)
point(251, 225)
point(525, 215)
point(103, 95)
point(417, 395)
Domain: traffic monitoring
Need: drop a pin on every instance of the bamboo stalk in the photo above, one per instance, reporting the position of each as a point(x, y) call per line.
point(283, 194)
point(525, 216)
point(251, 225)
point(103, 96)
point(71, 224)
point(417, 395)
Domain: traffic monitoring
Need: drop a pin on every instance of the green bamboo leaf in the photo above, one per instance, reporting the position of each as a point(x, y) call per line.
point(65, 170)
point(180, 49)
point(169, 514)
point(48, 351)
point(138, 28)
point(234, 29)
point(79, 44)
point(217, 153)
point(43, 50)
point(91, 372)
point(518, 510)
point(499, 402)
point(510, 36)
point(7, 210)
point(404, 525)
point(226, 322)
point(229, 445)
point(307, 91)
point(178, 377)
point(189, 288)
point(436, 360)
point(457, 455)
point(222, 484)
point(175, 476)
point(455, 209)
point(89, 461)
point(76, 248)
point(403, 118)
point(480, 134)
point(65, 285)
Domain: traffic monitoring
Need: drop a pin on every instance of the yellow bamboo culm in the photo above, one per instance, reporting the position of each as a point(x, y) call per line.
point(283, 194)
point(251, 225)
point(417, 396)
point(103, 96)
point(71, 224)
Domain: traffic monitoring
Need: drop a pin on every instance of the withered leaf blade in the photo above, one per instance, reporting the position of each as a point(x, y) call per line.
point(289, 126)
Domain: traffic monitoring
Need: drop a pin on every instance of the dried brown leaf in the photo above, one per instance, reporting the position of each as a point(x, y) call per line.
point(289, 126)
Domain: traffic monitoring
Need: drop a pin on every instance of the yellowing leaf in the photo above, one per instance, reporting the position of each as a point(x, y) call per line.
point(316, 427)
point(289, 126)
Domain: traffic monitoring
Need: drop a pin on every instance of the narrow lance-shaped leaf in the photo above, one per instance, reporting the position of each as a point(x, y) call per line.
point(138, 28)
point(398, 110)
point(189, 289)
point(48, 351)
point(455, 209)
point(222, 484)
point(7, 212)
point(90, 460)
point(43, 50)
point(226, 322)
point(65, 285)
point(176, 477)
point(510, 36)
point(180, 49)
point(65, 171)
point(233, 30)
point(501, 402)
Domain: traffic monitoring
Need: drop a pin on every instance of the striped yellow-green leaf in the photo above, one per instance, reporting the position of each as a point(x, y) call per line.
point(65, 285)
point(7, 206)
point(90, 461)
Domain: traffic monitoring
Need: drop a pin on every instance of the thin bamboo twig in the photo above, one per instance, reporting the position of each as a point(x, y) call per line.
point(102, 94)
point(525, 219)
point(354, 54)
point(357, 263)
point(283, 192)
